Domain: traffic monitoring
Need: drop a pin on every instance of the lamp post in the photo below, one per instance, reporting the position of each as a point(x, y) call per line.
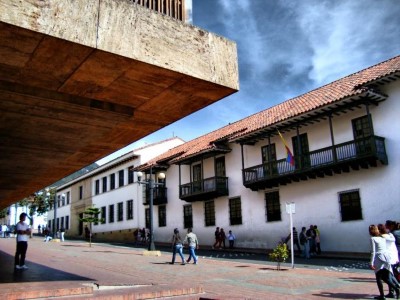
point(150, 182)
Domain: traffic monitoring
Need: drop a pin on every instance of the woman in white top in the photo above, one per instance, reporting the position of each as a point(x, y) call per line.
point(380, 263)
point(392, 249)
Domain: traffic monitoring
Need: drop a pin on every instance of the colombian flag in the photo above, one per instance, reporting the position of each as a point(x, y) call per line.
point(289, 155)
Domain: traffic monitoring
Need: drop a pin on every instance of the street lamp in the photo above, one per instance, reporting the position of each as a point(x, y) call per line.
point(150, 182)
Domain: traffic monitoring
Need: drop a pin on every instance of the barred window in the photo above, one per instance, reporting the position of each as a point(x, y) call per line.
point(129, 211)
point(235, 211)
point(187, 216)
point(272, 206)
point(209, 213)
point(103, 215)
point(350, 205)
point(162, 216)
point(111, 213)
point(120, 212)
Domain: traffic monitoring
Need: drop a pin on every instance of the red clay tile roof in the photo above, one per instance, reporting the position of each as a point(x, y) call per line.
point(352, 85)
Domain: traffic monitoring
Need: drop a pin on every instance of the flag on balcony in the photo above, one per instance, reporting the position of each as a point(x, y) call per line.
point(289, 155)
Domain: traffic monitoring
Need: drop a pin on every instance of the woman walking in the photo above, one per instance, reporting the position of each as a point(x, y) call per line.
point(380, 263)
point(177, 246)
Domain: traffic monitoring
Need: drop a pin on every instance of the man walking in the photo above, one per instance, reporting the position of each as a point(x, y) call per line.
point(23, 232)
point(193, 242)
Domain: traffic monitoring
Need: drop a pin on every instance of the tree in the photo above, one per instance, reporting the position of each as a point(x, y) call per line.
point(91, 215)
point(279, 254)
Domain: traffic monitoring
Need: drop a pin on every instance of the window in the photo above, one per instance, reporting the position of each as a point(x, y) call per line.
point(209, 213)
point(147, 217)
point(104, 180)
point(103, 215)
point(97, 187)
point(66, 222)
point(235, 211)
point(121, 178)
point(130, 174)
point(268, 156)
point(62, 222)
point(350, 205)
point(80, 192)
point(120, 211)
point(220, 166)
point(187, 216)
point(112, 181)
point(111, 213)
point(272, 206)
point(68, 197)
point(129, 209)
point(162, 216)
point(362, 130)
point(58, 201)
point(63, 199)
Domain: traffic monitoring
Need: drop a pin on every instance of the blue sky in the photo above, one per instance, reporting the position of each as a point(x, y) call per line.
point(286, 48)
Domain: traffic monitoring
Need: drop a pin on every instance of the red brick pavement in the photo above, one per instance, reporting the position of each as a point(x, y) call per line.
point(74, 268)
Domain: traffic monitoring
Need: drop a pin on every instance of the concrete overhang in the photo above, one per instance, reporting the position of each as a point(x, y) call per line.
point(82, 79)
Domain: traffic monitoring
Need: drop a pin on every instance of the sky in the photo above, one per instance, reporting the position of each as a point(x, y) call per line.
point(286, 48)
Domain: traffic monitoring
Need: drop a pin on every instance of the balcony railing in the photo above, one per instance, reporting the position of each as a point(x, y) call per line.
point(205, 189)
point(172, 8)
point(339, 158)
point(159, 195)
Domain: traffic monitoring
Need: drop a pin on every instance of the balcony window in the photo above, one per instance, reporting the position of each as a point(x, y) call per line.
point(350, 205)
point(272, 206)
point(235, 211)
point(209, 213)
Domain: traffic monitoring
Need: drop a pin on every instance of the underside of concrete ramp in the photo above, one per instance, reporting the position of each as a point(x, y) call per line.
point(82, 79)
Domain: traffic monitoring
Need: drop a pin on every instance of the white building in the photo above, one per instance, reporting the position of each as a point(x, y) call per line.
point(111, 188)
point(346, 143)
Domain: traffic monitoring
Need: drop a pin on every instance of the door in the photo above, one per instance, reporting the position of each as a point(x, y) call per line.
point(268, 156)
point(301, 154)
point(197, 178)
point(362, 131)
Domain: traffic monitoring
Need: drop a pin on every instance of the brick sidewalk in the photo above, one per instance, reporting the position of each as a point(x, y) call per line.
point(109, 272)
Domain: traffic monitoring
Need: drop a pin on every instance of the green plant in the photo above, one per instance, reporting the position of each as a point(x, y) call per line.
point(91, 216)
point(279, 254)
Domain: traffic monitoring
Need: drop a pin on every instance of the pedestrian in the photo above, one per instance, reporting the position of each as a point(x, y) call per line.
point(193, 242)
point(47, 235)
point(380, 263)
point(395, 230)
point(296, 239)
point(392, 250)
point(231, 239)
point(62, 233)
point(23, 232)
point(304, 242)
point(39, 230)
point(317, 240)
point(222, 238)
point(177, 246)
point(311, 240)
point(216, 234)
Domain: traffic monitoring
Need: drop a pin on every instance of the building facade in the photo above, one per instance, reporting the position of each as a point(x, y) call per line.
point(113, 189)
point(332, 153)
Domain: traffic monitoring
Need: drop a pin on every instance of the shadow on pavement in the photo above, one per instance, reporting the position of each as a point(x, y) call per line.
point(343, 296)
point(36, 272)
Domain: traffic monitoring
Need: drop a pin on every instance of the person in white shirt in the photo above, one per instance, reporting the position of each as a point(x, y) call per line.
point(23, 232)
point(231, 239)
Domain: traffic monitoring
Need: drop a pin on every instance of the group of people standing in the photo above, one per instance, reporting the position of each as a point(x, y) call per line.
point(220, 238)
point(309, 239)
point(385, 249)
point(178, 243)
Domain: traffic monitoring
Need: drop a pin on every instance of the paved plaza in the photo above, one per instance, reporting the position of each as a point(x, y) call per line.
point(73, 270)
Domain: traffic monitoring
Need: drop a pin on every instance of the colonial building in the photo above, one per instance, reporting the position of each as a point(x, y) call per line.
point(341, 172)
point(112, 189)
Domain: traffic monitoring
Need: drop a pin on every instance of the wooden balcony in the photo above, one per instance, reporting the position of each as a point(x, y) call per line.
point(356, 154)
point(205, 189)
point(159, 195)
